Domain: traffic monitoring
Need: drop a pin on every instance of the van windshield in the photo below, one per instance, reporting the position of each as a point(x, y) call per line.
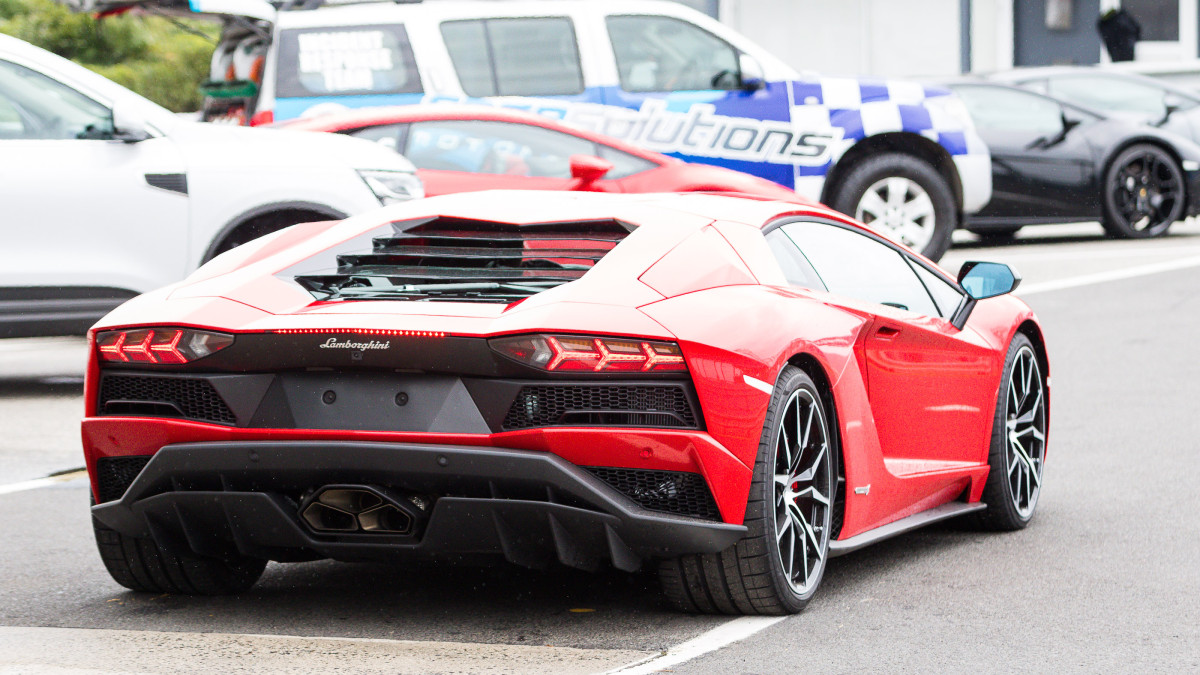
point(345, 61)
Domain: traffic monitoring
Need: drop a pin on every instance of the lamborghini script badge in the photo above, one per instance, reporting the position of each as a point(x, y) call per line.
point(332, 343)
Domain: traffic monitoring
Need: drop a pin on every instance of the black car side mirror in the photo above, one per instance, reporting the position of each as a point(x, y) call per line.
point(982, 280)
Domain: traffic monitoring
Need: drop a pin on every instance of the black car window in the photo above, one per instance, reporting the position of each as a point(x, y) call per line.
point(388, 135)
point(946, 296)
point(796, 268)
point(624, 164)
point(858, 266)
point(493, 147)
point(659, 53)
point(1004, 109)
point(346, 60)
point(515, 57)
point(1114, 94)
point(33, 106)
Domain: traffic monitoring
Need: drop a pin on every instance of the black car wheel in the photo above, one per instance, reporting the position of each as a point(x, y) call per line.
point(1018, 447)
point(902, 196)
point(140, 565)
point(1144, 193)
point(779, 564)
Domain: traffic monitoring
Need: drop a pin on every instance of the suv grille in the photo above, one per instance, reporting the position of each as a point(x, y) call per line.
point(188, 398)
point(601, 405)
point(115, 474)
point(685, 494)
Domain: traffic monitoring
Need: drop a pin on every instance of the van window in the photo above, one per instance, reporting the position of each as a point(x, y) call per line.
point(345, 61)
point(515, 57)
point(659, 53)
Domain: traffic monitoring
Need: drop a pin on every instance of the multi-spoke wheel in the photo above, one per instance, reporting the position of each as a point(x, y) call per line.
point(1144, 193)
point(777, 566)
point(1018, 441)
point(903, 197)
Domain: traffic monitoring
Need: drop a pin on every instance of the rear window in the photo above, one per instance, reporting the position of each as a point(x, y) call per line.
point(346, 61)
point(515, 57)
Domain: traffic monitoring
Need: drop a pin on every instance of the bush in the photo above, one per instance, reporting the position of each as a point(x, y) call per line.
point(148, 54)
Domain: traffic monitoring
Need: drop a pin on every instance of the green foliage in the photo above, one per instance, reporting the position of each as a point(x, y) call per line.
point(148, 54)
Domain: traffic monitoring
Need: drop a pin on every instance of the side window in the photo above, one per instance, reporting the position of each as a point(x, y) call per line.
point(945, 295)
point(796, 268)
point(493, 147)
point(999, 109)
point(389, 136)
point(624, 164)
point(857, 266)
point(659, 53)
point(346, 61)
point(36, 107)
point(515, 57)
point(1110, 93)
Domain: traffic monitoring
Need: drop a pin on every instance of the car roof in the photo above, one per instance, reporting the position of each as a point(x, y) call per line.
point(467, 9)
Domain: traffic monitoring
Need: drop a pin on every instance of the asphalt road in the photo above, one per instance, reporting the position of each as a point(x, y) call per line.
point(1106, 578)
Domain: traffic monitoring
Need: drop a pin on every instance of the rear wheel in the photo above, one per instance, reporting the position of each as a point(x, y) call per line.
point(1143, 193)
point(140, 565)
point(1018, 446)
point(903, 197)
point(778, 566)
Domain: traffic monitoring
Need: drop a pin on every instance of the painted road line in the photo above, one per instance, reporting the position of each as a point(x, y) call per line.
point(1110, 275)
point(42, 482)
point(62, 650)
point(717, 638)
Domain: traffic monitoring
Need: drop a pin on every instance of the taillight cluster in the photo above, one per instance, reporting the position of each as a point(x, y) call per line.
point(561, 353)
point(159, 345)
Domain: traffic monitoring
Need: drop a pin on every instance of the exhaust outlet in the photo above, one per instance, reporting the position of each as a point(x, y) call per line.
point(340, 509)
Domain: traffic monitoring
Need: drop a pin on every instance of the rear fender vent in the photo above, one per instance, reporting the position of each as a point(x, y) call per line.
point(685, 494)
point(185, 398)
point(420, 259)
point(114, 475)
point(641, 405)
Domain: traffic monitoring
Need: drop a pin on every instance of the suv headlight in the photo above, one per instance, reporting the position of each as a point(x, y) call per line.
point(391, 187)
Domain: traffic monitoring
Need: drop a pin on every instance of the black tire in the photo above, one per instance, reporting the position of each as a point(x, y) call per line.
point(262, 226)
point(937, 227)
point(1144, 193)
point(1022, 413)
point(998, 235)
point(751, 577)
point(140, 565)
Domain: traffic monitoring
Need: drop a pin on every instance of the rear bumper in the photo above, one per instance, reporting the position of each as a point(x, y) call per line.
point(530, 507)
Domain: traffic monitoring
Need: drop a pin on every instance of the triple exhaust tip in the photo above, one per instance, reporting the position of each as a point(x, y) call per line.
point(356, 508)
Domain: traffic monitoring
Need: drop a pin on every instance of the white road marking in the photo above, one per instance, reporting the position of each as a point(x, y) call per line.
point(1110, 275)
point(758, 384)
point(96, 651)
point(717, 638)
point(40, 482)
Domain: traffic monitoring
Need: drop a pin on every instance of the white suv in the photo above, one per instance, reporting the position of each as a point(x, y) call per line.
point(104, 195)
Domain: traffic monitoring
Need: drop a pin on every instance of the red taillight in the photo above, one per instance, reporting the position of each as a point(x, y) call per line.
point(262, 117)
point(159, 345)
point(563, 353)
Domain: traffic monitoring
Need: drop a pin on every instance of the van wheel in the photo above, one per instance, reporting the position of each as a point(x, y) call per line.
point(902, 197)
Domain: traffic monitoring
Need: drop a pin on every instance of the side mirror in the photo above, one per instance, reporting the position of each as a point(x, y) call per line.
point(752, 77)
point(1172, 103)
point(987, 279)
point(588, 169)
point(127, 127)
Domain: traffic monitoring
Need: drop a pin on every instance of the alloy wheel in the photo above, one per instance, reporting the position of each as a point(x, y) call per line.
point(900, 207)
point(1025, 421)
point(1147, 192)
point(803, 484)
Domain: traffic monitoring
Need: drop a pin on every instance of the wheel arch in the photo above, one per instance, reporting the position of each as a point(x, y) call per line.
point(813, 368)
point(1031, 330)
point(1127, 143)
point(258, 213)
point(903, 142)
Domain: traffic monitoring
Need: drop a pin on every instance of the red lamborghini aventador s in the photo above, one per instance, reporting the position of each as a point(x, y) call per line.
point(733, 390)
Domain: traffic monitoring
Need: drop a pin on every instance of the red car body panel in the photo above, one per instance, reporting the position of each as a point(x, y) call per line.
point(914, 396)
point(670, 174)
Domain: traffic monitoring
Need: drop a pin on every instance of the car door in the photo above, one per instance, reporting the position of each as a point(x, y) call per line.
point(85, 219)
point(1042, 166)
point(457, 155)
point(929, 384)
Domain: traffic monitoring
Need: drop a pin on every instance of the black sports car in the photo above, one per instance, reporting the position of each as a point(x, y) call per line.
point(1055, 162)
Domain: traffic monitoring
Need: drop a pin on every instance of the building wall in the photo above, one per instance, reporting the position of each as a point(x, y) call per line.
point(1036, 45)
point(853, 37)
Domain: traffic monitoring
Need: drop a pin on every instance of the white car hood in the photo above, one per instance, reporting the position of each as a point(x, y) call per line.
point(218, 146)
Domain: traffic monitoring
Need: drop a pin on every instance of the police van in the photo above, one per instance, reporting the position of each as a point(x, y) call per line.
point(899, 155)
